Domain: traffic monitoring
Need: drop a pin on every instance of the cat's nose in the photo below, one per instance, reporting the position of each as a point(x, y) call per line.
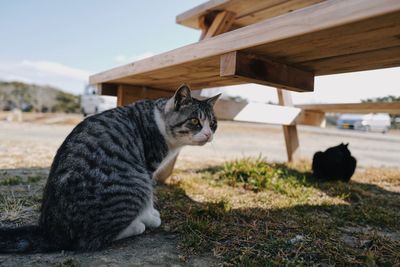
point(207, 134)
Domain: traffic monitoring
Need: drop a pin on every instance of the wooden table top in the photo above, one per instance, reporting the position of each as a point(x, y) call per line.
point(247, 11)
point(328, 37)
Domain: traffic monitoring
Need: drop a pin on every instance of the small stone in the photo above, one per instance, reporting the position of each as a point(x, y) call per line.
point(296, 239)
point(366, 243)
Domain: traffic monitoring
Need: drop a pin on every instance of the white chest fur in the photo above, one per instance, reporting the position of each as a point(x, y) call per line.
point(165, 168)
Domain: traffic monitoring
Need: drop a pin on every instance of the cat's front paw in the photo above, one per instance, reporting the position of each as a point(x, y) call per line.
point(152, 221)
point(155, 212)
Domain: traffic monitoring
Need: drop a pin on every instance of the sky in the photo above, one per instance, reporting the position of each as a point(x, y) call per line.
point(61, 43)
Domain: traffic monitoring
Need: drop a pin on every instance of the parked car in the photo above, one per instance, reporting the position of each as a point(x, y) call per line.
point(377, 122)
point(92, 103)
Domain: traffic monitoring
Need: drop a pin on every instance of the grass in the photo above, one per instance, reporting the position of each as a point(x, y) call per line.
point(20, 198)
point(253, 213)
point(18, 180)
point(11, 207)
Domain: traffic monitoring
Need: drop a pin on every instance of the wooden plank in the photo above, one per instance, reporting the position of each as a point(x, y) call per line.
point(289, 131)
point(248, 11)
point(316, 18)
point(377, 59)
point(362, 36)
point(204, 25)
point(311, 118)
point(107, 89)
point(222, 23)
point(190, 17)
point(391, 107)
point(258, 69)
point(273, 10)
point(292, 142)
point(128, 94)
point(121, 97)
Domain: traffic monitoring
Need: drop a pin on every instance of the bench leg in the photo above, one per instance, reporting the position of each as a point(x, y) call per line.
point(289, 131)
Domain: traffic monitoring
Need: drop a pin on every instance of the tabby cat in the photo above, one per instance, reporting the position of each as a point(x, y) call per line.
point(100, 186)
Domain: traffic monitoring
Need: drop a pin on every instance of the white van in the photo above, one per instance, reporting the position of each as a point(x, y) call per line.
point(375, 122)
point(91, 103)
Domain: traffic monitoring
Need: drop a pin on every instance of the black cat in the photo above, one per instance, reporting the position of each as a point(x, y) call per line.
point(336, 163)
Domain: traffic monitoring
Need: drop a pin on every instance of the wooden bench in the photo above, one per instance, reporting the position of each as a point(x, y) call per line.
point(278, 43)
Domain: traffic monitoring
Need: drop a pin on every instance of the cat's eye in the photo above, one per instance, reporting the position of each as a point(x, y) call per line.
point(195, 121)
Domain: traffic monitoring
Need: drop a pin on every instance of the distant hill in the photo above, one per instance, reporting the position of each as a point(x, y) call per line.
point(31, 97)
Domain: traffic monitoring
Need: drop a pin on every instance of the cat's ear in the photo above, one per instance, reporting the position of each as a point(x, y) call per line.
point(182, 96)
point(212, 100)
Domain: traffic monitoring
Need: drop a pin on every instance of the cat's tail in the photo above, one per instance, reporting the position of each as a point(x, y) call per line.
point(26, 239)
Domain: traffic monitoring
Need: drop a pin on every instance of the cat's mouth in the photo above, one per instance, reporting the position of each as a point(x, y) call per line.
point(203, 142)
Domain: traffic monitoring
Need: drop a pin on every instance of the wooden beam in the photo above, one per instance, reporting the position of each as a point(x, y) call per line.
point(292, 142)
point(107, 89)
point(221, 23)
point(192, 15)
point(203, 25)
point(128, 94)
point(387, 57)
point(311, 118)
point(289, 131)
point(258, 69)
point(391, 107)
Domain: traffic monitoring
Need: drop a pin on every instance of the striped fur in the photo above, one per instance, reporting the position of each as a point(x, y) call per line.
point(100, 186)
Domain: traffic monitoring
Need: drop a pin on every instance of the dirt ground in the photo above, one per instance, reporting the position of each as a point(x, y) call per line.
point(32, 144)
point(27, 150)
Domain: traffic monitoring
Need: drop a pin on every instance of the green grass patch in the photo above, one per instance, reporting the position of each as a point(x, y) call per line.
point(18, 180)
point(256, 174)
point(12, 180)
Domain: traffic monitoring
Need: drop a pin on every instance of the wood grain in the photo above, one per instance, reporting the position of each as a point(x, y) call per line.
point(392, 107)
point(248, 11)
point(312, 118)
point(127, 94)
point(221, 23)
point(261, 70)
point(289, 131)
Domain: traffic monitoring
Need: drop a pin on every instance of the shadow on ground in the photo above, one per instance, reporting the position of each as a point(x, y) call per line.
point(351, 223)
point(20, 198)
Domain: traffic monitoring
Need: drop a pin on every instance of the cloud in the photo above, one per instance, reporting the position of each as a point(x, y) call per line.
point(45, 73)
point(123, 59)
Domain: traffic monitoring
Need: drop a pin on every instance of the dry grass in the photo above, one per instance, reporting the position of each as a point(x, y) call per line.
point(43, 118)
